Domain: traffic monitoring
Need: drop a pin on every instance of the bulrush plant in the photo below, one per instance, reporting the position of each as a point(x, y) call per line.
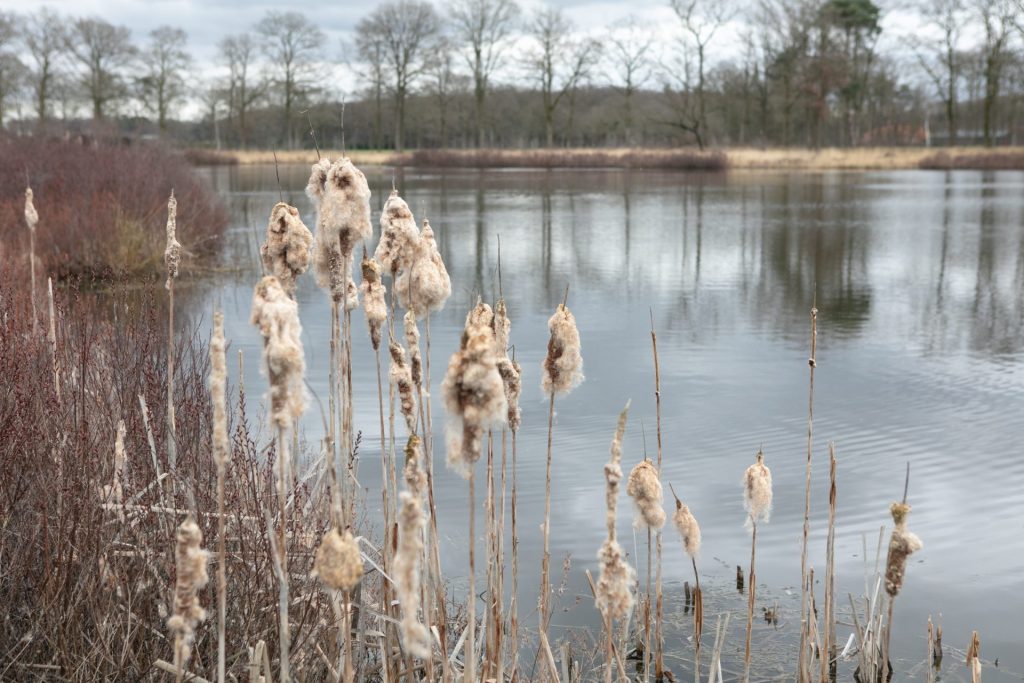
point(757, 500)
point(401, 378)
point(221, 455)
point(31, 222)
point(286, 251)
point(411, 526)
point(902, 544)
point(644, 487)
point(613, 594)
point(689, 533)
point(190, 566)
point(561, 372)
point(424, 286)
point(339, 566)
point(474, 398)
point(277, 317)
point(172, 261)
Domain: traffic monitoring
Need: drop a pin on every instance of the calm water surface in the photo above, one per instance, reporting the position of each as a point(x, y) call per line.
point(919, 278)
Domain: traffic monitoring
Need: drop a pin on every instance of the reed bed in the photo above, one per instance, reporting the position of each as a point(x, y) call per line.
point(109, 511)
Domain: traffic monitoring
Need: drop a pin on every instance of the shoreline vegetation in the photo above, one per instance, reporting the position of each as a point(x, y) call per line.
point(729, 159)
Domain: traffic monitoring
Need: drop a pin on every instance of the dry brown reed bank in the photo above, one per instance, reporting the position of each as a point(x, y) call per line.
point(734, 159)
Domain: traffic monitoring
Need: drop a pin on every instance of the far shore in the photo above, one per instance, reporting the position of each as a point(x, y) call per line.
point(684, 158)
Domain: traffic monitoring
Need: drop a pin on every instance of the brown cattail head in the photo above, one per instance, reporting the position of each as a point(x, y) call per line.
point(338, 563)
point(613, 595)
point(412, 340)
point(401, 378)
point(218, 392)
point(31, 217)
point(474, 394)
point(424, 285)
point(277, 317)
point(172, 253)
point(399, 238)
point(902, 544)
point(563, 366)
point(317, 185)
point(411, 522)
point(757, 491)
point(343, 219)
point(285, 252)
point(190, 567)
point(415, 477)
point(374, 302)
point(508, 369)
point(644, 487)
point(689, 530)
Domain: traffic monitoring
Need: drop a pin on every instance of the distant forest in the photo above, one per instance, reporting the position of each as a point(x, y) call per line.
point(485, 73)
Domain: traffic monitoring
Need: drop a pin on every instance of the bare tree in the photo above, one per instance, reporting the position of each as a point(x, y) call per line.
point(941, 58)
point(244, 87)
point(997, 17)
point(558, 61)
point(104, 52)
point(684, 111)
point(44, 35)
point(443, 81)
point(402, 33)
point(484, 25)
point(293, 46)
point(630, 52)
point(12, 71)
point(162, 82)
point(701, 20)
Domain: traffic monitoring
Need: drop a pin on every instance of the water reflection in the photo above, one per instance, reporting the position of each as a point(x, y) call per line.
point(919, 277)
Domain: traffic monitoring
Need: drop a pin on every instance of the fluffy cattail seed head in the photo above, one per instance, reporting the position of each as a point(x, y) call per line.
point(374, 302)
point(277, 317)
point(474, 394)
point(172, 253)
point(415, 477)
point(401, 377)
point(689, 530)
point(31, 217)
point(614, 596)
point(424, 285)
point(411, 522)
point(218, 392)
point(902, 544)
point(190, 566)
point(338, 563)
point(644, 488)
point(757, 491)
point(343, 219)
point(399, 238)
point(317, 184)
point(563, 366)
point(285, 252)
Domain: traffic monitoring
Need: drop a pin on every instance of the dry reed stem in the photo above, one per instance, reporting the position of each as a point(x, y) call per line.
point(31, 221)
point(659, 653)
point(221, 453)
point(828, 655)
point(803, 663)
point(172, 259)
point(51, 338)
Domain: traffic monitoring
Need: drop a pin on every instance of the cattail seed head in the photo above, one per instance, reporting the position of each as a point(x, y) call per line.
point(424, 285)
point(317, 184)
point(401, 378)
point(286, 251)
point(563, 365)
point(413, 474)
point(689, 530)
point(399, 238)
point(190, 568)
point(172, 253)
point(757, 491)
point(474, 394)
point(412, 340)
point(644, 488)
point(277, 317)
point(374, 303)
point(614, 596)
point(411, 522)
point(902, 544)
point(338, 563)
point(218, 392)
point(31, 217)
point(343, 219)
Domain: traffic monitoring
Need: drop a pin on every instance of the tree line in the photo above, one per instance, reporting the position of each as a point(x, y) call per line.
point(486, 73)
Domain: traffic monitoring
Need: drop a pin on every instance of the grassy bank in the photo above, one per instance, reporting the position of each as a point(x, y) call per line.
point(748, 158)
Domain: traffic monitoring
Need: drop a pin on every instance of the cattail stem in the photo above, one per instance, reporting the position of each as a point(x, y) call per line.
point(514, 601)
point(32, 272)
point(803, 663)
point(698, 621)
point(282, 501)
point(51, 338)
point(545, 577)
point(659, 654)
point(828, 656)
point(470, 656)
point(751, 593)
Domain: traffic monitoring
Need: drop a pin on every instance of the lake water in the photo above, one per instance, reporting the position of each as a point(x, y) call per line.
point(919, 278)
